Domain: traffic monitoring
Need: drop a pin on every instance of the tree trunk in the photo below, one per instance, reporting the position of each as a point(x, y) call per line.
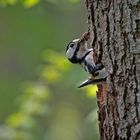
point(115, 36)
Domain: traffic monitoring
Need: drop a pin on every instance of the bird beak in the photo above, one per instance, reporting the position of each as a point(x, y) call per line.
point(85, 83)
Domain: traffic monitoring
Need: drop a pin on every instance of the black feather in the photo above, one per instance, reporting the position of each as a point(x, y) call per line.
point(91, 81)
point(94, 69)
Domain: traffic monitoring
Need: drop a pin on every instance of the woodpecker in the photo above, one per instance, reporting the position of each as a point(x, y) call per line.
point(77, 52)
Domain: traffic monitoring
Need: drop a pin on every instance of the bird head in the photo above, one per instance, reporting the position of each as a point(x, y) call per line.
point(76, 50)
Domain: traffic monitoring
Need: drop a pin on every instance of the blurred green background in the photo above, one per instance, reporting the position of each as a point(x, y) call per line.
point(38, 95)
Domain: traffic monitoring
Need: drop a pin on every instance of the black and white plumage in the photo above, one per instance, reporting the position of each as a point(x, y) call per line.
point(78, 53)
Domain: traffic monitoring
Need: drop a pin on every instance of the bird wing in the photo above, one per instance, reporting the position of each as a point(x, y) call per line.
point(92, 69)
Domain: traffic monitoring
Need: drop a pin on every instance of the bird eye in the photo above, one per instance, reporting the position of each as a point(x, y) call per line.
point(71, 45)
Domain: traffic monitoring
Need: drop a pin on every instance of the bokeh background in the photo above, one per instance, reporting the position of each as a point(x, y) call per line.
point(39, 99)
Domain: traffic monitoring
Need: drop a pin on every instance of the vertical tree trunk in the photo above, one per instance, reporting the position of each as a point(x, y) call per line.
point(115, 36)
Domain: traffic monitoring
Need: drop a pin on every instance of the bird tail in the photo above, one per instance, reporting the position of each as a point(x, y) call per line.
point(85, 83)
point(91, 81)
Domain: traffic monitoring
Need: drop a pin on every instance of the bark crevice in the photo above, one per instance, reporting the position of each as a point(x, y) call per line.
point(115, 38)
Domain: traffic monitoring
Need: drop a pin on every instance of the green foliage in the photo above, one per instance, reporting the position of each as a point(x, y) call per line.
point(91, 91)
point(7, 2)
point(33, 105)
point(30, 3)
point(22, 124)
point(57, 65)
point(25, 3)
point(49, 106)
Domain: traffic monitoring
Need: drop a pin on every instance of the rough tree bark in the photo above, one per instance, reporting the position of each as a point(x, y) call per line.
point(115, 36)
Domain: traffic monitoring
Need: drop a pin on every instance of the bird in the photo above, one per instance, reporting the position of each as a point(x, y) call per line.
point(77, 52)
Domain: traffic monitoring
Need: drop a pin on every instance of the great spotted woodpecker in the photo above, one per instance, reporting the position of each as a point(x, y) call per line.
point(78, 53)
